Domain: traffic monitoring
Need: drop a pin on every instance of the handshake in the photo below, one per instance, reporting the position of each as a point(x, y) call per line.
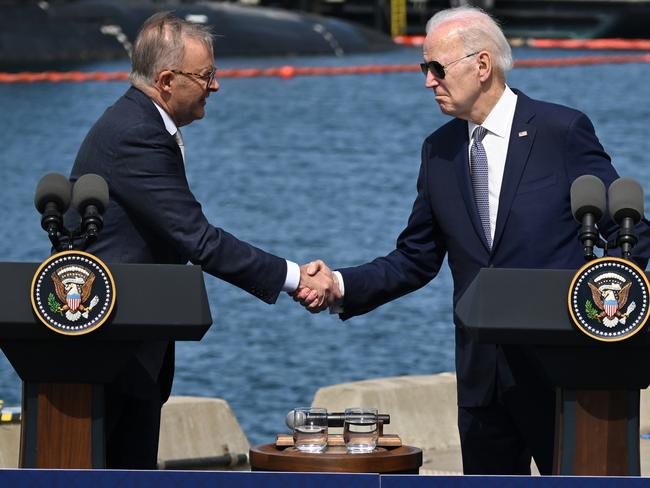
point(319, 288)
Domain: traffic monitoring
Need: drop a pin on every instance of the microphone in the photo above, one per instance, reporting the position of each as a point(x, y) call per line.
point(587, 206)
point(333, 419)
point(90, 198)
point(52, 199)
point(626, 209)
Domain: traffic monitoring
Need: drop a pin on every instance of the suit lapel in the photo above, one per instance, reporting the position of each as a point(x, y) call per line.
point(461, 165)
point(522, 136)
point(146, 104)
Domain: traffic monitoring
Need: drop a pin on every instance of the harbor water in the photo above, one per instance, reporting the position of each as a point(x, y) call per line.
point(307, 167)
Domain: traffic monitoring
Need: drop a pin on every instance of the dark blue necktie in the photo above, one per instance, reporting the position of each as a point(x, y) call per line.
point(479, 170)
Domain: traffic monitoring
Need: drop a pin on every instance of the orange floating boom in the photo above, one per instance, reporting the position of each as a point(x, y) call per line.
point(292, 71)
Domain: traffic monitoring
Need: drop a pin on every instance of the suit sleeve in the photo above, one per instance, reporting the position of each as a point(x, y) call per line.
point(149, 182)
point(416, 260)
point(585, 155)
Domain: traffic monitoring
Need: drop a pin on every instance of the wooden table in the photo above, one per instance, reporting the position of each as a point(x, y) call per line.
point(398, 460)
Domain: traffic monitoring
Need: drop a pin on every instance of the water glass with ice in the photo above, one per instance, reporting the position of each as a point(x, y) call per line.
point(310, 429)
point(360, 430)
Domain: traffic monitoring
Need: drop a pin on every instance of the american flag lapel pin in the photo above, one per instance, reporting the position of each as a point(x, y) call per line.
point(523, 133)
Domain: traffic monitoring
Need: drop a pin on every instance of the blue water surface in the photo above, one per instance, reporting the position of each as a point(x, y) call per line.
point(308, 167)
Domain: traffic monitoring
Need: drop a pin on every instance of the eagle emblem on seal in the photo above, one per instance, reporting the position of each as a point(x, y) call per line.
point(609, 299)
point(73, 285)
point(609, 292)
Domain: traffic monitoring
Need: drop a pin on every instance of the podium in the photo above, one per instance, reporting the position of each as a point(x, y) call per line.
point(597, 384)
point(63, 376)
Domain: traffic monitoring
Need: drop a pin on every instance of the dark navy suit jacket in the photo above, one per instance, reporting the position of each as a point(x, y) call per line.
point(153, 216)
point(550, 146)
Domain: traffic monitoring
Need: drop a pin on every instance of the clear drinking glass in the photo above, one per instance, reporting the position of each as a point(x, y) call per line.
point(310, 429)
point(360, 430)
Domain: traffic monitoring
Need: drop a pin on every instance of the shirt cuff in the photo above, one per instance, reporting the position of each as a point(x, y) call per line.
point(293, 277)
point(339, 277)
point(338, 306)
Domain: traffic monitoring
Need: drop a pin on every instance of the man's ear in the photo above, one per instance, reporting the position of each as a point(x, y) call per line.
point(164, 81)
point(484, 65)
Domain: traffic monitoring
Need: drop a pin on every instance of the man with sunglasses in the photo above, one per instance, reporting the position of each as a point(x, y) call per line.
point(493, 191)
point(153, 216)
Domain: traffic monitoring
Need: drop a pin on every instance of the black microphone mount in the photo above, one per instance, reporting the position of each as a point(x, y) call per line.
point(52, 221)
point(627, 239)
point(590, 237)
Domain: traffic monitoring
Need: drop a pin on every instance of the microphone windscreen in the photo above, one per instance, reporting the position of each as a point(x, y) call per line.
point(588, 196)
point(90, 189)
point(292, 421)
point(626, 200)
point(53, 187)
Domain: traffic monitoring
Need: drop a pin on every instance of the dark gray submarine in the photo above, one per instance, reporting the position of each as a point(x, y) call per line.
point(62, 33)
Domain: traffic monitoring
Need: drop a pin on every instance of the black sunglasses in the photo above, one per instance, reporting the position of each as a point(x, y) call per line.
point(208, 77)
point(437, 69)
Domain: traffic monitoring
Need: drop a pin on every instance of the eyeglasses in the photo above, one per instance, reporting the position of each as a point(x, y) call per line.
point(208, 77)
point(437, 69)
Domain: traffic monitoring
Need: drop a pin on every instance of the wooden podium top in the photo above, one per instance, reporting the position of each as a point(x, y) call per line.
point(403, 460)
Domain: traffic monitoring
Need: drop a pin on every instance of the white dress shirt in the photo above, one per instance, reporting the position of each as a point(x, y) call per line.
point(292, 279)
point(498, 124)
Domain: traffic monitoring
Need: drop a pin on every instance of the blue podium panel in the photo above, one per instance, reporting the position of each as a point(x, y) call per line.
point(405, 481)
point(46, 478)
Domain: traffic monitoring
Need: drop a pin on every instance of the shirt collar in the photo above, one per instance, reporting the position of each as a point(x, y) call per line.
point(169, 123)
point(498, 120)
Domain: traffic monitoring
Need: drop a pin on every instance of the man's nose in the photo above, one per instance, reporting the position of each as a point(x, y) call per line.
point(431, 81)
point(214, 85)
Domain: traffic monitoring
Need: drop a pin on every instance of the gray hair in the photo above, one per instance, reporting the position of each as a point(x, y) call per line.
point(478, 31)
point(160, 45)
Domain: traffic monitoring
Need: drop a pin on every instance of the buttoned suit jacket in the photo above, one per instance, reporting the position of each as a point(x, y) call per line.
point(153, 217)
point(550, 146)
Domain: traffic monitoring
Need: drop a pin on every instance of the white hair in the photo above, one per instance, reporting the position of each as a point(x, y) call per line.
point(478, 31)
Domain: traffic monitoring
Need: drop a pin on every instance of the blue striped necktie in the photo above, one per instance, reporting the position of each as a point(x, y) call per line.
point(479, 170)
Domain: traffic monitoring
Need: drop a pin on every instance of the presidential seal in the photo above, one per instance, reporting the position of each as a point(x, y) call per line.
point(73, 293)
point(608, 299)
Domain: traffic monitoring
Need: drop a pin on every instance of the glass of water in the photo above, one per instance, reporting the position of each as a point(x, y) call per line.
point(360, 430)
point(310, 429)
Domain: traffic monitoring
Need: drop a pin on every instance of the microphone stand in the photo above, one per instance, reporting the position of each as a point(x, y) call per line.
point(626, 237)
point(590, 238)
point(78, 240)
point(625, 240)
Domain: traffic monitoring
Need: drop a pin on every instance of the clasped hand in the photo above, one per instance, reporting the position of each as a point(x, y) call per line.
point(318, 288)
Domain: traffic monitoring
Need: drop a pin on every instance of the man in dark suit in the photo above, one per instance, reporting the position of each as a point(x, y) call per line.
point(493, 191)
point(153, 216)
